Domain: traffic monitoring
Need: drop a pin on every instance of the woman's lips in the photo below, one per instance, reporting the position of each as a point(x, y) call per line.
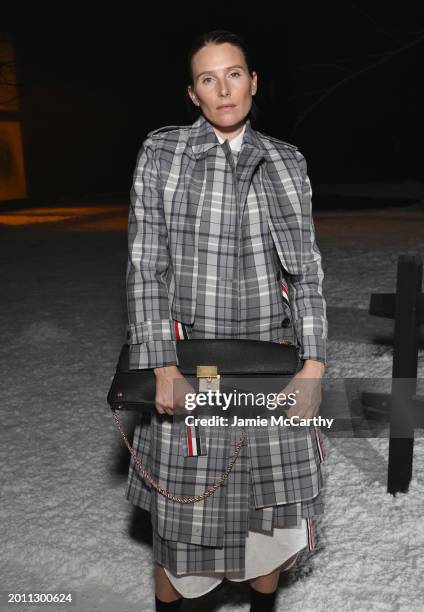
point(227, 107)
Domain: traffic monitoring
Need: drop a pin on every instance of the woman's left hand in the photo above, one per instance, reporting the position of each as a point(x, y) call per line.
point(306, 385)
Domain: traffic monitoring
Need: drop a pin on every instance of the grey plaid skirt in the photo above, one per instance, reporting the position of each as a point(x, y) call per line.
point(209, 536)
point(276, 481)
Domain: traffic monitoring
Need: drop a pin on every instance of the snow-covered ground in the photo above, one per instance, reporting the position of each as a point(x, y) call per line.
point(65, 525)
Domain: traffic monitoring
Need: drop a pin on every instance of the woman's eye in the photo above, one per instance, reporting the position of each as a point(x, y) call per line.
point(207, 80)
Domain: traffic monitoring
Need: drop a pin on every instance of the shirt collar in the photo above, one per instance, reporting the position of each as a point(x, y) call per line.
point(203, 137)
point(235, 143)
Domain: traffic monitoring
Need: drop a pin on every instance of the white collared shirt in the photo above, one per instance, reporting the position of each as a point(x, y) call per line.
point(236, 142)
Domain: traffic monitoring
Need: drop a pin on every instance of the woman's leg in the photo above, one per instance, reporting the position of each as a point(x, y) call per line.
point(163, 587)
point(263, 592)
point(268, 583)
point(263, 589)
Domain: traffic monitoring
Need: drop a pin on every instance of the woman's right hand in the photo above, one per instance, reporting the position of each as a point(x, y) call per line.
point(171, 386)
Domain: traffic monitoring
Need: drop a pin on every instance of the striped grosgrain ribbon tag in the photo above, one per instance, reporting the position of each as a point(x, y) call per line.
point(320, 446)
point(284, 291)
point(193, 436)
point(309, 534)
point(309, 530)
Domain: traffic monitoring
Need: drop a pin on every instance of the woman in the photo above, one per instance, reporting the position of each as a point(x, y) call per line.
point(221, 245)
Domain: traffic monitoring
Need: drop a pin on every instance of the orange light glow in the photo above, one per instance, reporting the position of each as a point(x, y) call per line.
point(74, 219)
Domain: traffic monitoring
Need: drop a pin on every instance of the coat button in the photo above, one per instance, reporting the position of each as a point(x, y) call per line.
point(285, 322)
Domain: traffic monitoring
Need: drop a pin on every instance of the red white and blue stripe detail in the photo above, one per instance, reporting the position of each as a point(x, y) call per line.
point(194, 439)
point(310, 534)
point(284, 291)
point(320, 446)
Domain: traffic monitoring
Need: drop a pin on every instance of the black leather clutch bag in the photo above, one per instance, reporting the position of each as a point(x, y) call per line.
point(215, 364)
point(223, 360)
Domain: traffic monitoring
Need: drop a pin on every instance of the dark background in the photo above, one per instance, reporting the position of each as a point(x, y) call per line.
point(341, 80)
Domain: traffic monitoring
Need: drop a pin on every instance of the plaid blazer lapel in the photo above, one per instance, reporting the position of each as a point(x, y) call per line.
point(278, 186)
point(284, 214)
point(252, 153)
point(202, 137)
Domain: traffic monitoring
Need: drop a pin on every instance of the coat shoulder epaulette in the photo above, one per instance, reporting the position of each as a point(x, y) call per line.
point(167, 128)
point(278, 141)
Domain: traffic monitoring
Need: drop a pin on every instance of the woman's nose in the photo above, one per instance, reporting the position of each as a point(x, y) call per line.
point(223, 88)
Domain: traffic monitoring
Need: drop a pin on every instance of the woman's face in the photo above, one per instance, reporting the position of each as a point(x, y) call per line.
point(223, 87)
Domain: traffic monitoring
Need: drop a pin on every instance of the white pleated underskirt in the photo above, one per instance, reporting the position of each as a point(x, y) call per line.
point(264, 554)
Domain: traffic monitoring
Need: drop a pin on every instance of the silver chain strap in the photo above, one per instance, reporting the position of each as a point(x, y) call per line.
point(179, 500)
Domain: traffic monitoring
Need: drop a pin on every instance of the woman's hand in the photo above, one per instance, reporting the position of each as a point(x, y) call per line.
point(306, 385)
point(171, 387)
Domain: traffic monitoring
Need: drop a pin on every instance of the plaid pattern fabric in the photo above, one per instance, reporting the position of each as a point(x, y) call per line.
point(240, 516)
point(238, 267)
point(182, 175)
point(209, 535)
point(276, 481)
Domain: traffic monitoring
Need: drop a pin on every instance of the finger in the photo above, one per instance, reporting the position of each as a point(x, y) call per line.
point(284, 391)
point(281, 396)
point(169, 410)
point(306, 412)
point(296, 411)
point(159, 404)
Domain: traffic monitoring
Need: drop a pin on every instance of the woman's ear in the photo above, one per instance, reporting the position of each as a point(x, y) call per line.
point(254, 84)
point(193, 96)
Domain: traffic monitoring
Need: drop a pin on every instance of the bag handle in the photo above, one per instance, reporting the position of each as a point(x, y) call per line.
point(179, 500)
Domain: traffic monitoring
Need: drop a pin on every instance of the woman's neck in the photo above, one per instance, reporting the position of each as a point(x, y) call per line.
point(229, 133)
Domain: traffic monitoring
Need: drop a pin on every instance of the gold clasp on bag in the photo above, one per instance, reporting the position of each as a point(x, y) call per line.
point(208, 377)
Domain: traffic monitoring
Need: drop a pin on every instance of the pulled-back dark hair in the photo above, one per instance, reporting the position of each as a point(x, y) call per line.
point(218, 37)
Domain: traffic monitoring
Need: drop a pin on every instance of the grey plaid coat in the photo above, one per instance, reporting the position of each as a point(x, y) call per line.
point(176, 173)
point(277, 479)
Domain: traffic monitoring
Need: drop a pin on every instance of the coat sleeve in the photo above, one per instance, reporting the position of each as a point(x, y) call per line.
point(305, 290)
point(150, 332)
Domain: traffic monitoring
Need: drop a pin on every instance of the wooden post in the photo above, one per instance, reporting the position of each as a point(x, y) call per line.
point(404, 372)
point(405, 411)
